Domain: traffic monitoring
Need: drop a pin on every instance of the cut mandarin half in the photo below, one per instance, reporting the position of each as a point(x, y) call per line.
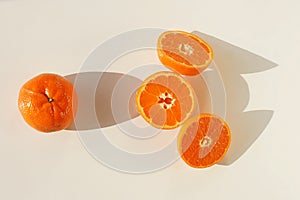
point(165, 100)
point(203, 140)
point(184, 52)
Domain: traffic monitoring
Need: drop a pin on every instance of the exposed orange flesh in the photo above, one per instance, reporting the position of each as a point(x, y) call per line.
point(184, 52)
point(204, 140)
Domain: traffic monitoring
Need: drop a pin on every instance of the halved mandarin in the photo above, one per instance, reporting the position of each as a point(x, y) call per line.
point(184, 52)
point(203, 140)
point(165, 100)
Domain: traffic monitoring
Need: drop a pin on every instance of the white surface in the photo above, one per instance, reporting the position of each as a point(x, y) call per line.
point(56, 36)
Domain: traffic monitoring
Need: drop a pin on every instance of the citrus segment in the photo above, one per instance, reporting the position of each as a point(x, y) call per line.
point(165, 100)
point(184, 52)
point(203, 140)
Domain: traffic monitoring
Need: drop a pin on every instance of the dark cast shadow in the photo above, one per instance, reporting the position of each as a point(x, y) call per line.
point(95, 91)
point(246, 127)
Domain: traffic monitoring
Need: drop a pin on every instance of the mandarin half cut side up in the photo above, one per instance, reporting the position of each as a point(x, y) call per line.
point(165, 100)
point(203, 140)
point(184, 52)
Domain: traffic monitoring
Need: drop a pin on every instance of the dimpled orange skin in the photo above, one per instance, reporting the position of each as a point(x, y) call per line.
point(176, 62)
point(48, 102)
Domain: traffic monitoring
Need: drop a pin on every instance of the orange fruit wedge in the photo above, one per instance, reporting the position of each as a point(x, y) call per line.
point(48, 102)
point(184, 52)
point(203, 140)
point(165, 100)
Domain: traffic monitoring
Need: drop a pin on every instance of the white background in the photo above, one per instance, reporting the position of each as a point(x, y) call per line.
point(56, 36)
